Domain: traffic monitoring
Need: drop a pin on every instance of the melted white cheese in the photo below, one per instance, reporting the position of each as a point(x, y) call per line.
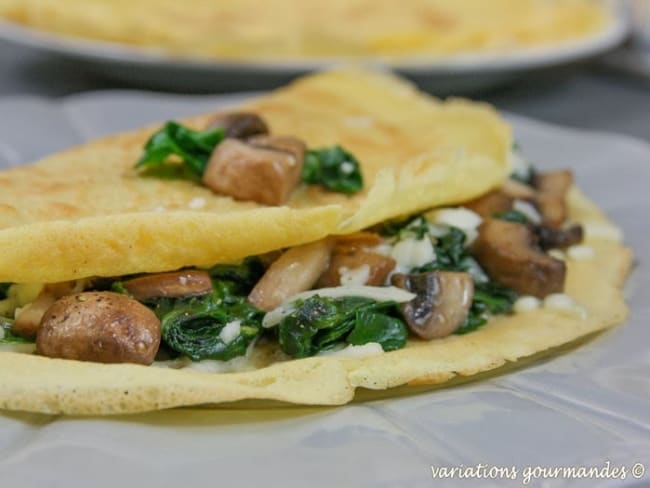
point(581, 252)
point(563, 303)
point(519, 165)
point(462, 218)
point(196, 203)
point(230, 331)
point(527, 304)
point(603, 231)
point(354, 276)
point(411, 253)
point(557, 254)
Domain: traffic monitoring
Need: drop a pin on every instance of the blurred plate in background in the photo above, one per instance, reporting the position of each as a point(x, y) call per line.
point(457, 73)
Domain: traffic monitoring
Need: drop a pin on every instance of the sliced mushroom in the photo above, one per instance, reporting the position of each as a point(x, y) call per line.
point(294, 271)
point(552, 188)
point(104, 327)
point(442, 302)
point(28, 318)
point(508, 253)
point(239, 125)
point(491, 203)
point(373, 268)
point(549, 238)
point(518, 190)
point(186, 283)
point(265, 174)
point(358, 240)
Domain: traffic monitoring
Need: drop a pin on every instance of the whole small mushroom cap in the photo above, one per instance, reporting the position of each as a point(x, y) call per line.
point(103, 327)
point(239, 125)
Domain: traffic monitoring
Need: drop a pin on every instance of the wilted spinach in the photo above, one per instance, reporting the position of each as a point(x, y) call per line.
point(334, 168)
point(490, 298)
point(512, 216)
point(191, 147)
point(320, 323)
point(192, 326)
point(415, 226)
point(7, 336)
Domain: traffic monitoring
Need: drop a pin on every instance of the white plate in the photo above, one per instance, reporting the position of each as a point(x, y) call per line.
point(583, 408)
point(453, 74)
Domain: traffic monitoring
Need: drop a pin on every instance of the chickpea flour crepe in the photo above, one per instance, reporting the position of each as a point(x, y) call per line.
point(345, 231)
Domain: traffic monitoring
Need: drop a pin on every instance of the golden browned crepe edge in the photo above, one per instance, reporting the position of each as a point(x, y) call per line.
point(39, 384)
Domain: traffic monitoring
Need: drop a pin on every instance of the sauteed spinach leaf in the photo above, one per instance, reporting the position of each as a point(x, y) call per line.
point(320, 323)
point(7, 336)
point(415, 226)
point(193, 326)
point(512, 216)
point(489, 298)
point(334, 168)
point(191, 147)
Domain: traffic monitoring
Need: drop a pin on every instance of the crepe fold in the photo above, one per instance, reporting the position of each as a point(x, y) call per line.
point(47, 385)
point(86, 212)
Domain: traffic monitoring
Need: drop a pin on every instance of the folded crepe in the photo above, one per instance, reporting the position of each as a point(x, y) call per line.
point(87, 212)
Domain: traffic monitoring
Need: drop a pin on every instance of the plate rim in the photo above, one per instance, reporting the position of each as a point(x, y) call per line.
point(603, 40)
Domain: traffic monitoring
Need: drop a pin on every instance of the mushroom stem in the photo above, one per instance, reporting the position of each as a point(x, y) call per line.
point(294, 271)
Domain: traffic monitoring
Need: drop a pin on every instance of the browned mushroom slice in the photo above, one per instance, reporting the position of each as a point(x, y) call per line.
point(294, 271)
point(239, 125)
point(375, 267)
point(518, 190)
point(507, 252)
point(175, 284)
point(28, 318)
point(549, 238)
point(245, 172)
point(552, 188)
point(491, 203)
point(442, 302)
point(357, 240)
point(104, 327)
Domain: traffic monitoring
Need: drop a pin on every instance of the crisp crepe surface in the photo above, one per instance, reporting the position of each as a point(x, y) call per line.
point(86, 212)
point(305, 29)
